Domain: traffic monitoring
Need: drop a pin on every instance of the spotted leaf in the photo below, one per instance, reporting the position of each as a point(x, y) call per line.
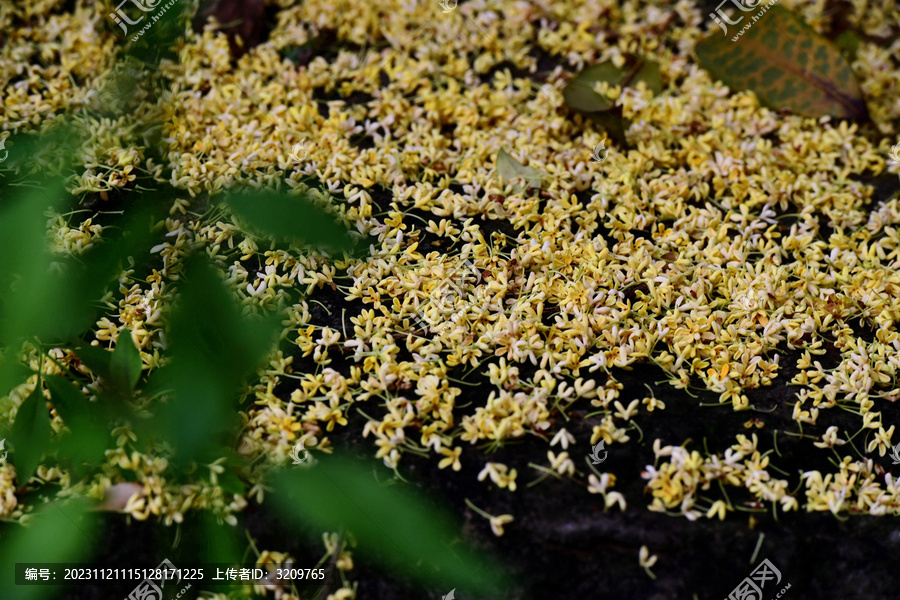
point(786, 64)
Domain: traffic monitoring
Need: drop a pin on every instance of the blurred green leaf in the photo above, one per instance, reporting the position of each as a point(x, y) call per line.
point(12, 372)
point(231, 483)
point(125, 363)
point(30, 291)
point(51, 297)
point(395, 524)
point(96, 359)
point(89, 437)
point(288, 218)
point(212, 347)
point(70, 403)
point(36, 158)
point(57, 533)
point(30, 435)
point(219, 544)
point(787, 65)
point(510, 169)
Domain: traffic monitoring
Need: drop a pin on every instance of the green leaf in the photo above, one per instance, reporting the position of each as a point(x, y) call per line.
point(612, 123)
point(231, 483)
point(30, 434)
point(68, 400)
point(509, 169)
point(53, 298)
point(787, 65)
point(214, 542)
point(89, 437)
point(288, 218)
point(96, 359)
point(61, 532)
point(390, 522)
point(29, 291)
point(212, 349)
point(579, 94)
point(12, 372)
point(125, 363)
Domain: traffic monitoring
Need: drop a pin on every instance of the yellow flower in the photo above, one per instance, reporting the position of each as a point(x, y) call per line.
point(564, 438)
point(646, 560)
point(830, 439)
point(452, 458)
point(599, 486)
point(497, 523)
point(718, 508)
point(615, 498)
point(562, 463)
point(626, 413)
point(882, 440)
point(653, 403)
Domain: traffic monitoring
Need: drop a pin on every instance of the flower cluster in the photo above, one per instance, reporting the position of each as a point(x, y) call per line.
point(677, 483)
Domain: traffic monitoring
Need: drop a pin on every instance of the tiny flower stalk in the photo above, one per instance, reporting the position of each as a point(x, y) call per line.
point(497, 522)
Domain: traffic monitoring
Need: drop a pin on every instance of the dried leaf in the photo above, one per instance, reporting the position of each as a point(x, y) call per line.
point(787, 65)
